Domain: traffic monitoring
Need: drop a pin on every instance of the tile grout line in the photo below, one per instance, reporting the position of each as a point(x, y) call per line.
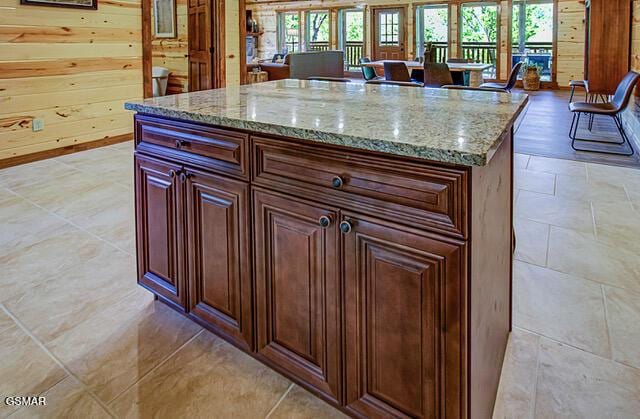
point(593, 220)
point(72, 223)
point(576, 276)
point(555, 340)
point(55, 359)
point(161, 363)
point(275, 406)
point(535, 384)
point(606, 321)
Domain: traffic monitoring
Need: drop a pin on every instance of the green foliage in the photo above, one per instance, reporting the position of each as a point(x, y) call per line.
point(479, 23)
point(354, 22)
point(318, 26)
point(538, 18)
point(435, 26)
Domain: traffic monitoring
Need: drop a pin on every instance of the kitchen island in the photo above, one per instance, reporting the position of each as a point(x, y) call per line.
point(355, 238)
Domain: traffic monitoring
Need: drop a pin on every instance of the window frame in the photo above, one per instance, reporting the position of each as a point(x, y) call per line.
point(476, 3)
point(419, 20)
point(281, 36)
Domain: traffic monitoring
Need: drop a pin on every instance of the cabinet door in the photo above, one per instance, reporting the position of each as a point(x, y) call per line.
point(401, 321)
point(159, 229)
point(297, 289)
point(217, 248)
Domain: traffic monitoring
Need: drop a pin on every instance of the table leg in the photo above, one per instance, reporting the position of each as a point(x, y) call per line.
point(476, 79)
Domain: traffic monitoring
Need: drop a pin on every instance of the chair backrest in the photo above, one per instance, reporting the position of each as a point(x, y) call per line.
point(624, 91)
point(437, 75)
point(513, 77)
point(396, 71)
point(429, 52)
point(316, 63)
point(394, 83)
point(368, 73)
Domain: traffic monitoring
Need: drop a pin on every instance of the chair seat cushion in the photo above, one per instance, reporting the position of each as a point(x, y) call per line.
point(493, 85)
point(597, 108)
point(577, 83)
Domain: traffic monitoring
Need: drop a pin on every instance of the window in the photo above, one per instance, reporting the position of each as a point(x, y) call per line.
point(432, 25)
point(479, 34)
point(351, 37)
point(389, 28)
point(532, 34)
point(317, 31)
point(289, 32)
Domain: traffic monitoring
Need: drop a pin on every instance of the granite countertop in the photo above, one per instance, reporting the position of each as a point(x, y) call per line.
point(452, 126)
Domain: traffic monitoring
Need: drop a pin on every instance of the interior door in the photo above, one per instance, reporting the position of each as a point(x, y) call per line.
point(159, 229)
point(200, 45)
point(398, 319)
point(218, 248)
point(389, 34)
point(297, 289)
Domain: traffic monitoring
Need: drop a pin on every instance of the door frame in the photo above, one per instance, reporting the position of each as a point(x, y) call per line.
point(218, 59)
point(404, 26)
point(498, 4)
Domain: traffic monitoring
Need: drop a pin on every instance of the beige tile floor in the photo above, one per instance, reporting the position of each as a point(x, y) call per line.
point(76, 328)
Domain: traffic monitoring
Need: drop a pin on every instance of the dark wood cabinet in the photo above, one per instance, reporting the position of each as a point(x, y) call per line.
point(365, 278)
point(297, 289)
point(159, 211)
point(399, 320)
point(219, 277)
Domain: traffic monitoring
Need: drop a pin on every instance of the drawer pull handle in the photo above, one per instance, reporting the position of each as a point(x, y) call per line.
point(346, 227)
point(184, 175)
point(172, 174)
point(324, 221)
point(337, 182)
point(181, 143)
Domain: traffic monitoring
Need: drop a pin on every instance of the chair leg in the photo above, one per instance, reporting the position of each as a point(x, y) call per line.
point(573, 131)
point(573, 90)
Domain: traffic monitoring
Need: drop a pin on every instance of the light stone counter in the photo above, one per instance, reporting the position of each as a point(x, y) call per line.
point(452, 126)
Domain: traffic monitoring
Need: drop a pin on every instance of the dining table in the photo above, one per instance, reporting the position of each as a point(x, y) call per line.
point(475, 69)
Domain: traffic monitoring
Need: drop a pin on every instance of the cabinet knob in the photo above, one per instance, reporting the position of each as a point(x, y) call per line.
point(346, 227)
point(181, 143)
point(337, 182)
point(184, 175)
point(324, 221)
point(172, 174)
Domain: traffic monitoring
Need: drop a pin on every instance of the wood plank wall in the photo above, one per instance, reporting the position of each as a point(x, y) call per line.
point(172, 53)
point(73, 68)
point(570, 34)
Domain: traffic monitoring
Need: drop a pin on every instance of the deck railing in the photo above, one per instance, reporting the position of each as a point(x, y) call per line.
point(540, 53)
point(480, 52)
point(318, 46)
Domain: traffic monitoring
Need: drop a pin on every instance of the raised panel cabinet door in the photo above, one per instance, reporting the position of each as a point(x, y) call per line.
point(159, 203)
point(297, 289)
point(217, 248)
point(403, 334)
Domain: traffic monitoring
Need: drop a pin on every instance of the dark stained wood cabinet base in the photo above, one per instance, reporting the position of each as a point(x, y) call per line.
point(380, 284)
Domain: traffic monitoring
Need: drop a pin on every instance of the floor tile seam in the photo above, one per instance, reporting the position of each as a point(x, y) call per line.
point(277, 404)
point(156, 367)
point(71, 223)
point(69, 373)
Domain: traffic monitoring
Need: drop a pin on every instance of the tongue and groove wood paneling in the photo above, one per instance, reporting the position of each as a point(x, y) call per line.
point(73, 68)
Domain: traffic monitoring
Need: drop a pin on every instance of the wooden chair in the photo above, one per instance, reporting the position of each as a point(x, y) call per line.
point(437, 75)
point(613, 109)
point(368, 73)
point(396, 71)
point(510, 84)
point(394, 83)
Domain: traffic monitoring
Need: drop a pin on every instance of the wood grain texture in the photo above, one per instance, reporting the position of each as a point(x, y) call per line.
point(72, 68)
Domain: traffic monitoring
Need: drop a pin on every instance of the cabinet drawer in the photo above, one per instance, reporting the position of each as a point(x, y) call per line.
point(413, 193)
point(217, 149)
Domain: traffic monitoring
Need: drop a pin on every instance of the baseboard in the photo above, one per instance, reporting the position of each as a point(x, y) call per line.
point(56, 152)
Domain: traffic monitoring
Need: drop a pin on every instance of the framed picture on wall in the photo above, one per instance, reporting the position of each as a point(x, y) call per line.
point(164, 18)
point(77, 4)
